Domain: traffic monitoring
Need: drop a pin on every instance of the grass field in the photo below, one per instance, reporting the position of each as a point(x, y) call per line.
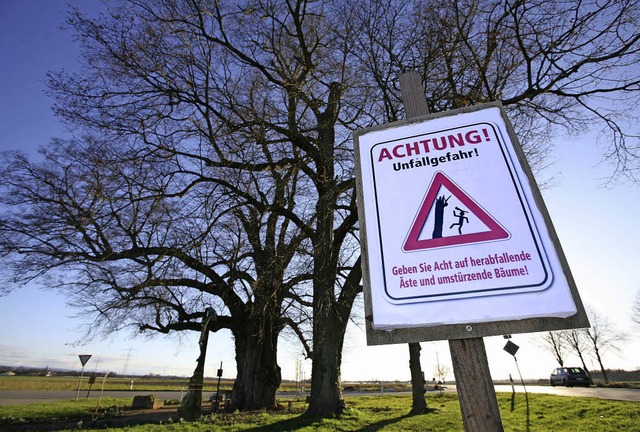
point(82, 409)
point(71, 383)
point(365, 413)
point(154, 384)
point(210, 385)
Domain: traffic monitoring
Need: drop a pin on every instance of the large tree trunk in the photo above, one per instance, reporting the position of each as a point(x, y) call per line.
point(328, 339)
point(326, 386)
point(330, 314)
point(258, 372)
point(419, 405)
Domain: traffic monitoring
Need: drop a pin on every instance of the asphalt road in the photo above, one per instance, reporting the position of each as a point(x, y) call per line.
point(17, 397)
point(595, 392)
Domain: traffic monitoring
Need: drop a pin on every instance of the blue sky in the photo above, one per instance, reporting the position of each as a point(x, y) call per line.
point(597, 227)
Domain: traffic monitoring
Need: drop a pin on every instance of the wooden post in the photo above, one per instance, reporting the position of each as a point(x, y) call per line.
point(477, 396)
point(415, 104)
point(191, 407)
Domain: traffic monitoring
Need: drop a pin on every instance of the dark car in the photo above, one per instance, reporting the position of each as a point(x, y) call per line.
point(570, 376)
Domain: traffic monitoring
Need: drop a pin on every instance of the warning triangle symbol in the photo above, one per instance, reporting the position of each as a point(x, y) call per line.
point(84, 358)
point(415, 242)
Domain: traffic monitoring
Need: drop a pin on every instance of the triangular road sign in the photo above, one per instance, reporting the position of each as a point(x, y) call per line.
point(414, 242)
point(84, 358)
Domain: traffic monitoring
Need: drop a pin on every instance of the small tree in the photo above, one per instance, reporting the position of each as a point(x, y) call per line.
point(604, 337)
point(578, 343)
point(555, 343)
point(441, 371)
point(635, 309)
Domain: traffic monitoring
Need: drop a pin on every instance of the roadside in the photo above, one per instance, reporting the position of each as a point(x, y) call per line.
point(20, 397)
point(126, 418)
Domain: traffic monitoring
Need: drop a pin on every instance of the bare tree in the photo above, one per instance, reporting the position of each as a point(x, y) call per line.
point(441, 371)
point(635, 309)
point(579, 343)
point(575, 71)
point(187, 82)
point(149, 249)
point(555, 343)
point(604, 337)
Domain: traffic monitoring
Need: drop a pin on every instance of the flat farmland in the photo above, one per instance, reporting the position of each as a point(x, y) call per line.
point(111, 384)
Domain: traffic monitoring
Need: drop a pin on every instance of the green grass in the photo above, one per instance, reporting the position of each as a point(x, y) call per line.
point(548, 413)
point(71, 383)
point(157, 384)
point(82, 409)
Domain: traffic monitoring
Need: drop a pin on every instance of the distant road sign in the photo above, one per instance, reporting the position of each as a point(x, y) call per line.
point(84, 358)
point(511, 348)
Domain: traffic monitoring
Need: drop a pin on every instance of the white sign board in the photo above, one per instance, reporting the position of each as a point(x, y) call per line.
point(453, 233)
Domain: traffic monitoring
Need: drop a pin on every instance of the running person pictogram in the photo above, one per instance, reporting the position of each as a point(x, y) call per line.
point(461, 219)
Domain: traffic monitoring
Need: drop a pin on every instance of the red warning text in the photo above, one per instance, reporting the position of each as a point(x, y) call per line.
point(438, 143)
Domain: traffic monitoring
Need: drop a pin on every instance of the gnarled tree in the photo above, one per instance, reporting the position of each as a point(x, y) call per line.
point(136, 241)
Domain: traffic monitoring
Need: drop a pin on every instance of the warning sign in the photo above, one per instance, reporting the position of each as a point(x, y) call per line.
point(84, 358)
point(478, 225)
point(453, 233)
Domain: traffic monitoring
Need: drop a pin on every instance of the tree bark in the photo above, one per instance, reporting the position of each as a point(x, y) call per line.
point(419, 405)
point(605, 377)
point(329, 326)
point(326, 384)
point(259, 375)
point(330, 315)
point(584, 364)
